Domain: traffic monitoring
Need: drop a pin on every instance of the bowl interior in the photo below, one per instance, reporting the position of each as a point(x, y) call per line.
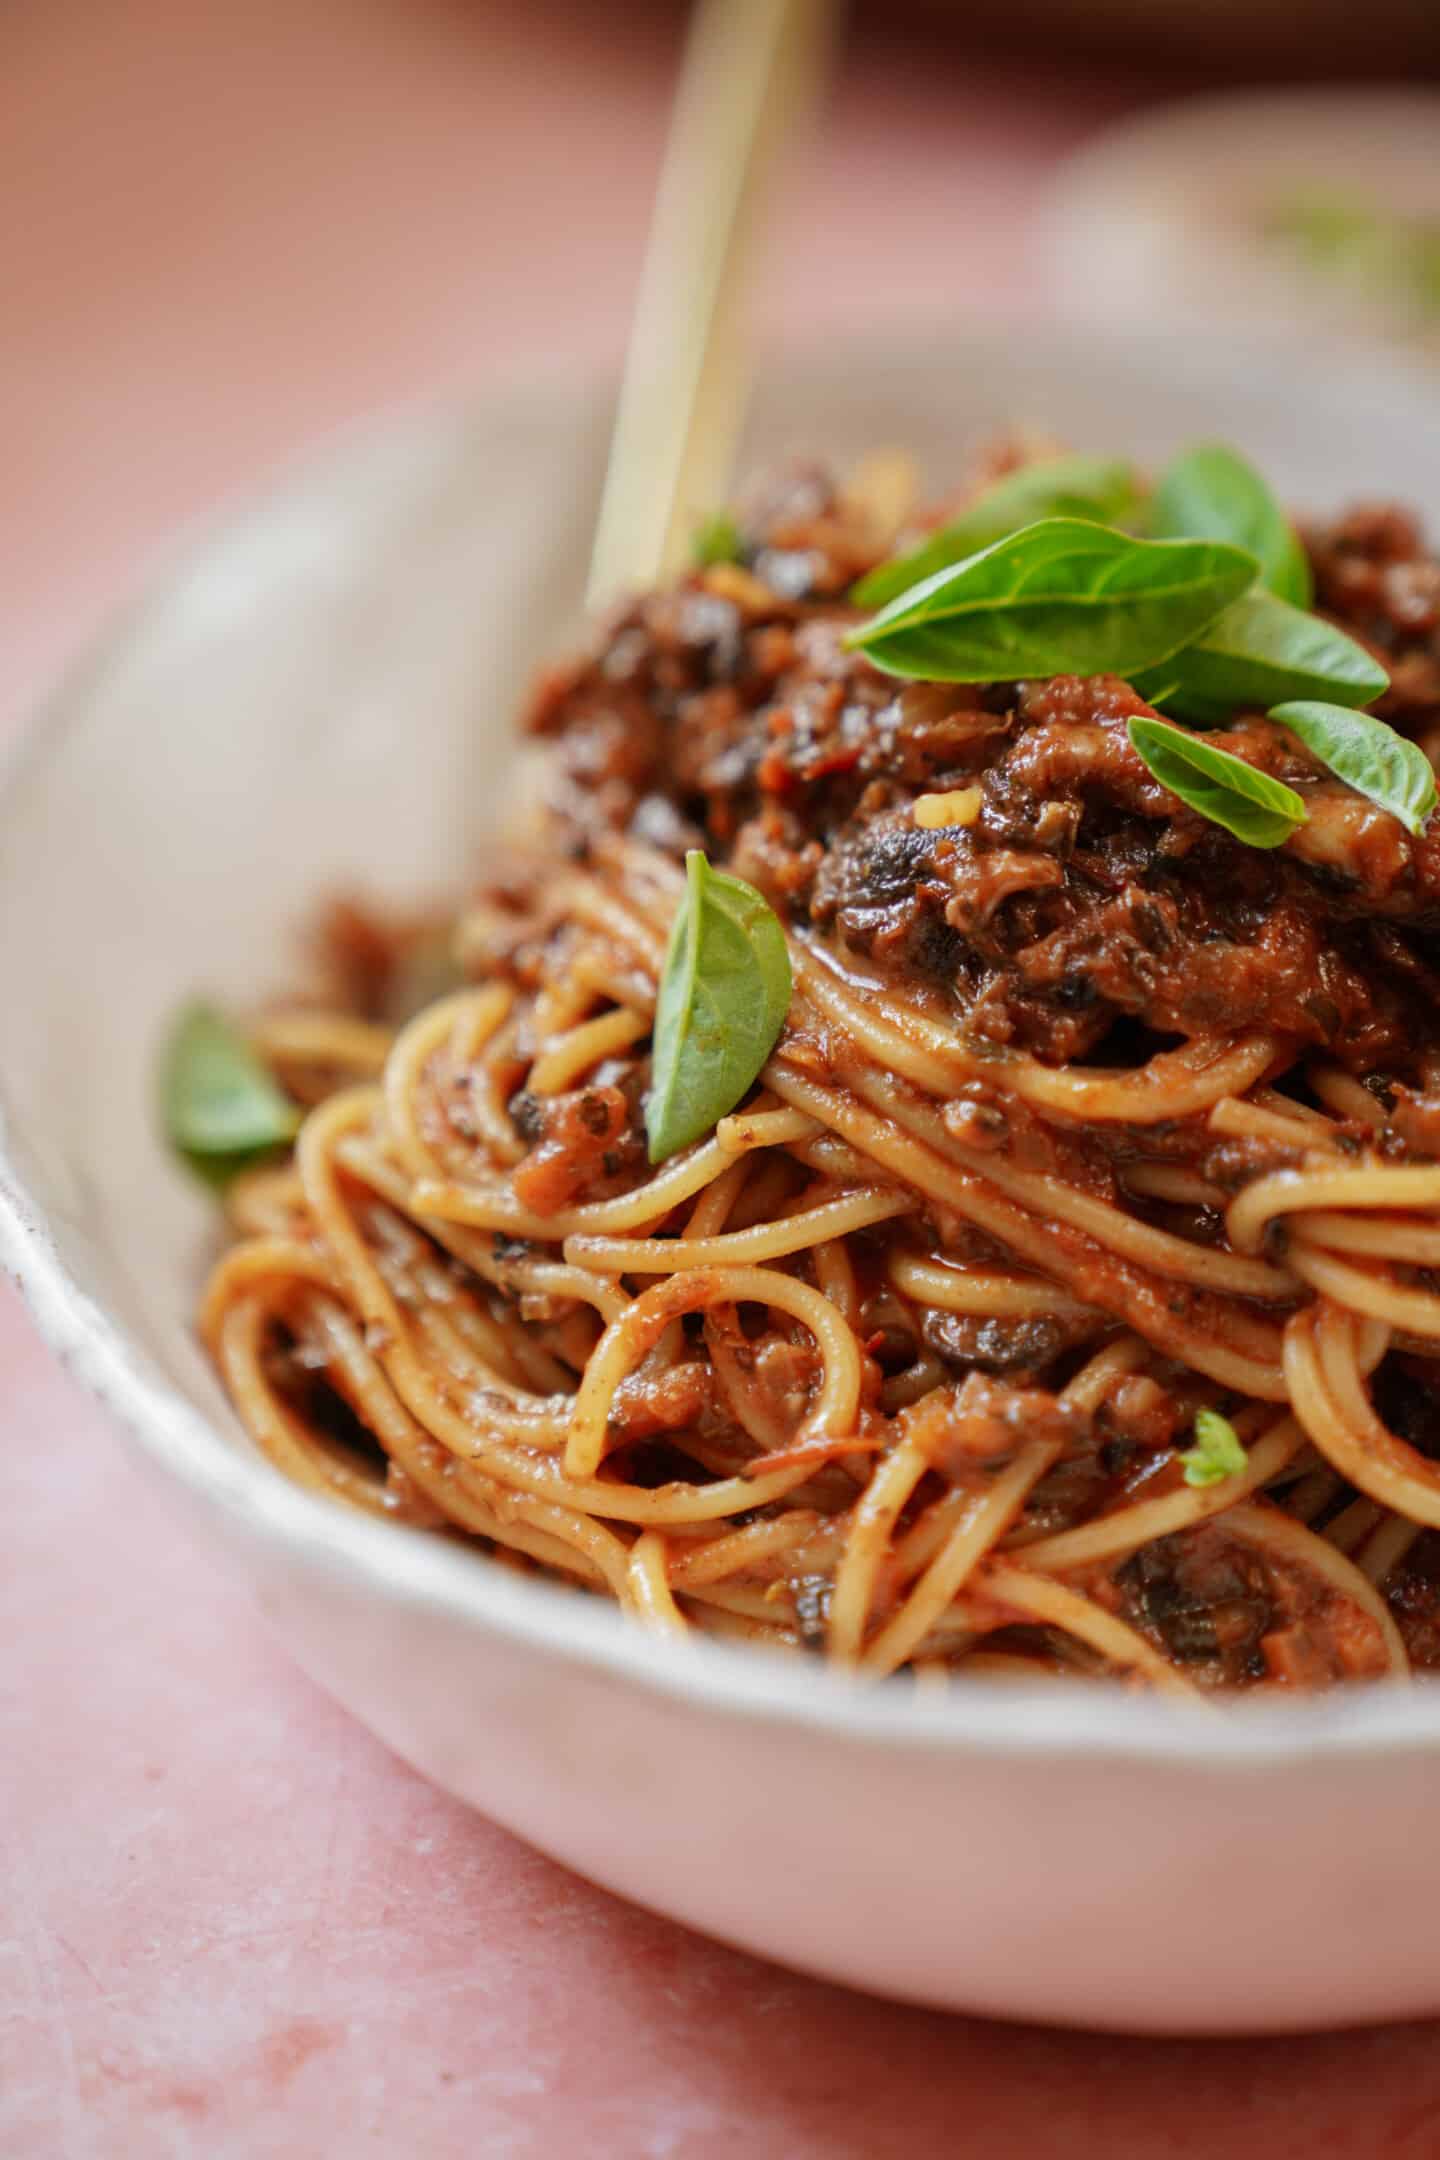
point(320, 697)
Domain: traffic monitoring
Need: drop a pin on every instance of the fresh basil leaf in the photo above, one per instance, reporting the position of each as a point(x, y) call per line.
point(1218, 1452)
point(222, 1109)
point(1212, 493)
point(717, 539)
point(1369, 756)
point(724, 994)
point(1263, 652)
point(1059, 598)
point(1100, 490)
point(1257, 809)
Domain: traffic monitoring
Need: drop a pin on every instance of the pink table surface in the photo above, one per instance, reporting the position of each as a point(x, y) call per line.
point(230, 1923)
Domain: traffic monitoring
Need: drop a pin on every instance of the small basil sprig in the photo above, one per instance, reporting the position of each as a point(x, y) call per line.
point(1061, 597)
point(1212, 493)
point(717, 539)
point(1369, 756)
point(1250, 804)
point(222, 1109)
point(1218, 1452)
point(1262, 652)
point(724, 994)
point(1099, 490)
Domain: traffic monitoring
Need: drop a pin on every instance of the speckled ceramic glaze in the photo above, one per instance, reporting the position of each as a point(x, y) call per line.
point(321, 694)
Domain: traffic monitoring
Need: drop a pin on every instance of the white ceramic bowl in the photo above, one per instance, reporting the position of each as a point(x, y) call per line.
point(323, 692)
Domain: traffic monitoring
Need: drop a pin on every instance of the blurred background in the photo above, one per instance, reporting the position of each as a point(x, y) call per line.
point(228, 226)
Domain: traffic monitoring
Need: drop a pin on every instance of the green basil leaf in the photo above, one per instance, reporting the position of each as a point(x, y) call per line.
point(1223, 788)
point(1212, 493)
point(1218, 1452)
point(221, 1107)
point(724, 994)
point(1059, 598)
point(1369, 756)
point(717, 539)
point(1263, 652)
point(1100, 490)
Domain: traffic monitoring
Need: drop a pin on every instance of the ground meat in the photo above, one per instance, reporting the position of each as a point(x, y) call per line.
point(882, 890)
point(1082, 894)
point(1231, 1617)
point(1083, 897)
point(1412, 1592)
point(669, 1401)
point(1374, 574)
point(966, 1339)
point(985, 1422)
point(1126, 1444)
point(1205, 1599)
point(581, 1137)
point(1138, 1413)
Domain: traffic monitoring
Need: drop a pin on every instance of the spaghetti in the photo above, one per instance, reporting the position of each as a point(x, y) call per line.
point(1085, 1118)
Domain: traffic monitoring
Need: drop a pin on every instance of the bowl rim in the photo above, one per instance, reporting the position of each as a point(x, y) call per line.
point(390, 1562)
